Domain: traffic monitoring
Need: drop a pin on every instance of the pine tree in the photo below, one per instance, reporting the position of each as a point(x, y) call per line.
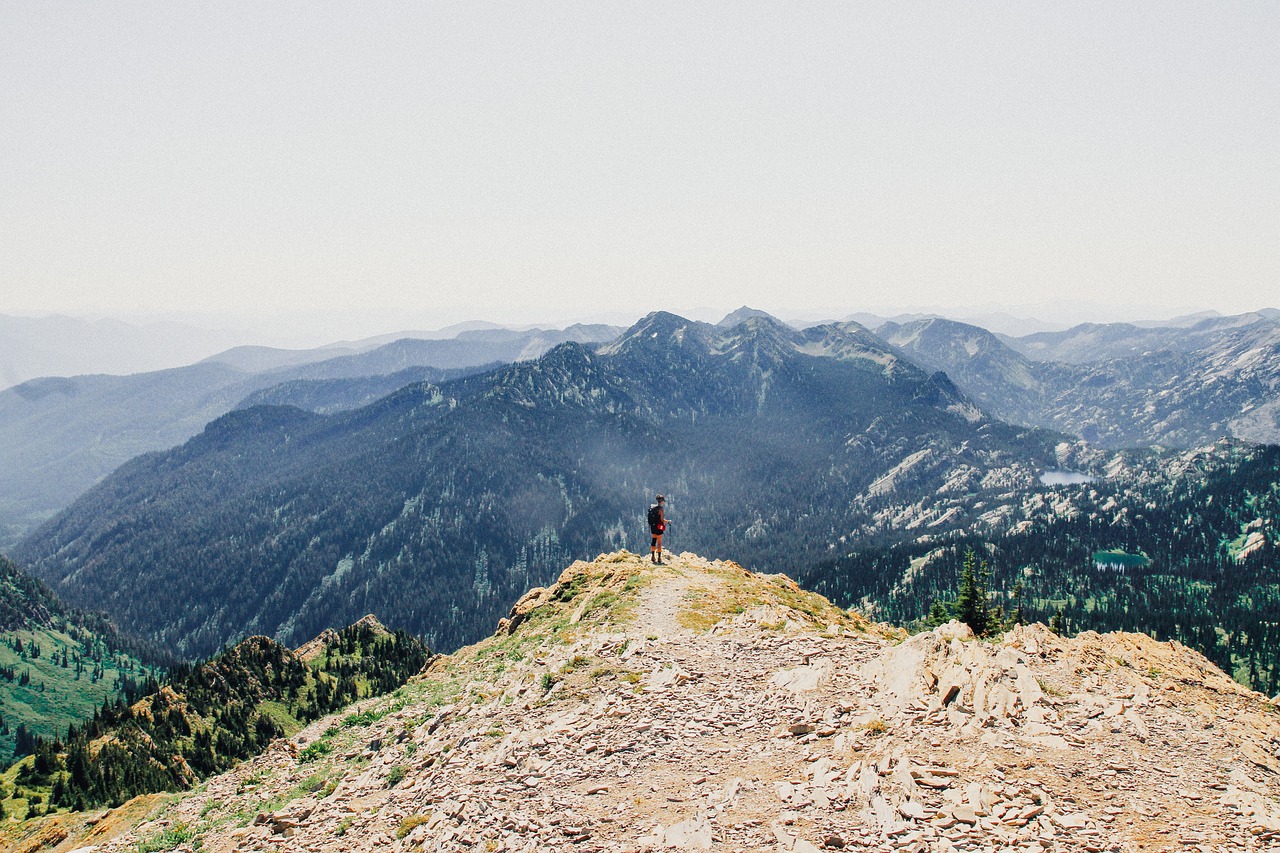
point(1018, 617)
point(46, 760)
point(939, 614)
point(59, 796)
point(24, 741)
point(1058, 622)
point(971, 605)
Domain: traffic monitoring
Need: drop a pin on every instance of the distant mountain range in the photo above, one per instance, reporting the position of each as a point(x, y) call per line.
point(60, 435)
point(436, 505)
point(1117, 385)
point(1188, 381)
point(64, 346)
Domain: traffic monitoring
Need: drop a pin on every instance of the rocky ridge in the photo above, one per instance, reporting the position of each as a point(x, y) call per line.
point(1115, 385)
point(695, 705)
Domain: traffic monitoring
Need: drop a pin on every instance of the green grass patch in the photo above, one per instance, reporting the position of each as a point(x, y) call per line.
point(55, 696)
point(278, 712)
point(315, 751)
point(568, 592)
point(314, 782)
point(167, 839)
point(363, 718)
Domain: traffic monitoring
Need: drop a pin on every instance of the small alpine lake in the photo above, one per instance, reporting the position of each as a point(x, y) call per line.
point(1119, 560)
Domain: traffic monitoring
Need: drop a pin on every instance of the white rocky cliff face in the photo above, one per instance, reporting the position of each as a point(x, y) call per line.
point(695, 705)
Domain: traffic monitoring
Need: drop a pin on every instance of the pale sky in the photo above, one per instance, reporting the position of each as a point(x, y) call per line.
point(423, 163)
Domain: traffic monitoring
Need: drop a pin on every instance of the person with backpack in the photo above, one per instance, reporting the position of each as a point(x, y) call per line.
point(657, 526)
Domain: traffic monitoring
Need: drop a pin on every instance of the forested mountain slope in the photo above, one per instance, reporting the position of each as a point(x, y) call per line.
point(57, 664)
point(1184, 546)
point(437, 505)
point(327, 396)
point(203, 719)
point(60, 435)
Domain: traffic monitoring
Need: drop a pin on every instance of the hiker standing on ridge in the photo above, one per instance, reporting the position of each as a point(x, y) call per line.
point(657, 526)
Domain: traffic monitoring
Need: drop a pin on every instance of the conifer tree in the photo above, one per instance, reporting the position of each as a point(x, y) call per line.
point(1018, 617)
point(939, 614)
point(971, 605)
point(1058, 622)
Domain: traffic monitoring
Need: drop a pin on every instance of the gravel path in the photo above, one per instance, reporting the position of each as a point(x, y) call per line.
point(657, 614)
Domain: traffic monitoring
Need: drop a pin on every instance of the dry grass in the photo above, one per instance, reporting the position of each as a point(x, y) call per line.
point(735, 590)
point(68, 831)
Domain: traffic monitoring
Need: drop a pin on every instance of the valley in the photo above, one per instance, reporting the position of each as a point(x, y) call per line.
point(59, 665)
point(438, 505)
point(435, 496)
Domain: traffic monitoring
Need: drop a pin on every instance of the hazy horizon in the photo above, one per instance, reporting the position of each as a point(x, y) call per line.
point(302, 330)
point(411, 166)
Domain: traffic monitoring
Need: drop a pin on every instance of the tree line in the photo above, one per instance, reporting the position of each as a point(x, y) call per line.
point(203, 719)
point(1198, 586)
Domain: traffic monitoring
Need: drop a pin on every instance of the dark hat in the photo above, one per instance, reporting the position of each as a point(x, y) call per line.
point(660, 498)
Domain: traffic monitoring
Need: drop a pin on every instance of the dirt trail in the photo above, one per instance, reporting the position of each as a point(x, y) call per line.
point(658, 614)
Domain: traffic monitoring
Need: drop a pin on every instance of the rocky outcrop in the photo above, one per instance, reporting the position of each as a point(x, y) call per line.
point(695, 706)
point(317, 646)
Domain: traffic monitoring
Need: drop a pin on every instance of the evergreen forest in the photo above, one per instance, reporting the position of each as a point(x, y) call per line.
point(168, 734)
point(1205, 525)
point(58, 664)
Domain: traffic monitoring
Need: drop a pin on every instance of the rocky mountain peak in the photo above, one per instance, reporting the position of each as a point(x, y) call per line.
point(371, 622)
point(698, 706)
point(734, 318)
point(660, 331)
point(318, 645)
